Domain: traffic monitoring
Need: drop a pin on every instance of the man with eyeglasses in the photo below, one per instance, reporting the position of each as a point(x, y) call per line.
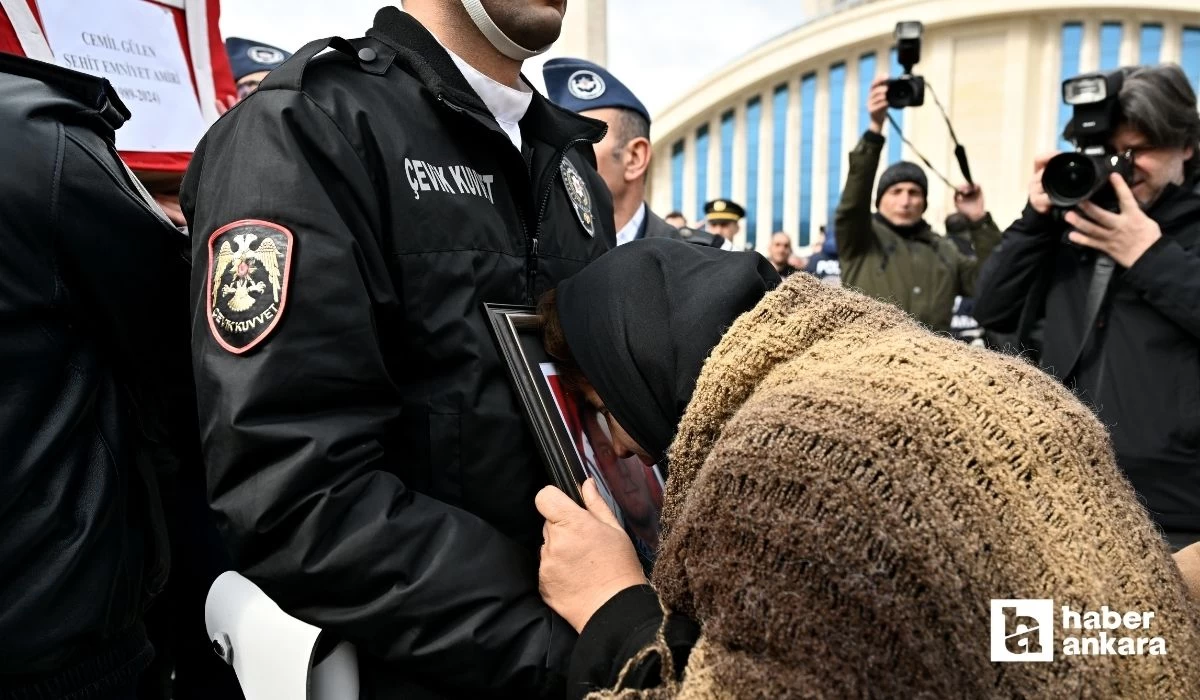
point(1116, 294)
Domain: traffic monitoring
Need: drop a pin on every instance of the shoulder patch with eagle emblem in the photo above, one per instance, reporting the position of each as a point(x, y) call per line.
point(249, 262)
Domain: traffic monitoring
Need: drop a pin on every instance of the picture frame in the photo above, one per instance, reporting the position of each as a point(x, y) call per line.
point(574, 440)
point(518, 335)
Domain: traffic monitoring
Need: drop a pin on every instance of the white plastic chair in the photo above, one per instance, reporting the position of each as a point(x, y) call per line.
point(272, 652)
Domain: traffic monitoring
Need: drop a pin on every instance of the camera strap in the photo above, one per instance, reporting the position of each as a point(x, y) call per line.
point(1102, 274)
point(960, 152)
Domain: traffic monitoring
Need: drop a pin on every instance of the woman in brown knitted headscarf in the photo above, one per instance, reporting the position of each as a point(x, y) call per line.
point(847, 492)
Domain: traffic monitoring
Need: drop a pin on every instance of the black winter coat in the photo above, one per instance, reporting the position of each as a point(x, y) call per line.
point(94, 379)
point(1140, 365)
point(367, 458)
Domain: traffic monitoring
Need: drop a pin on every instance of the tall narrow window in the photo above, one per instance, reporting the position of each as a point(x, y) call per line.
point(753, 121)
point(1110, 45)
point(808, 113)
point(677, 176)
point(833, 186)
point(895, 144)
point(779, 114)
point(1189, 57)
point(727, 154)
point(1072, 41)
point(866, 74)
point(1151, 51)
point(701, 170)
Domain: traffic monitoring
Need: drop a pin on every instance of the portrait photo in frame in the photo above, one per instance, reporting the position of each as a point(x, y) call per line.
point(573, 438)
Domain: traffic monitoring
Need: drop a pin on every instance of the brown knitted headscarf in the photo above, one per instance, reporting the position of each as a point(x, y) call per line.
point(849, 491)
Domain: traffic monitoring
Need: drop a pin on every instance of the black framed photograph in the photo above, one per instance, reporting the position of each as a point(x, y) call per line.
point(574, 439)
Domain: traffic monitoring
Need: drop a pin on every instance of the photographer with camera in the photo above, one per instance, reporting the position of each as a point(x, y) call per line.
point(1106, 260)
point(894, 255)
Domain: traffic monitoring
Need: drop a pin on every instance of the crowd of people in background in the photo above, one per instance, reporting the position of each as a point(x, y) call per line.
point(316, 400)
point(1122, 343)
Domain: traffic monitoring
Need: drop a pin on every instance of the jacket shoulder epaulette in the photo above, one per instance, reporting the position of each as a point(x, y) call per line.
point(370, 55)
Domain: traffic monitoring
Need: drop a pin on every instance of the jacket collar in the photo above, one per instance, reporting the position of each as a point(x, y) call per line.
point(1176, 205)
point(420, 54)
point(919, 231)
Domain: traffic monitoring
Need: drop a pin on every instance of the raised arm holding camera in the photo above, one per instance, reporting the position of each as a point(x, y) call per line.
point(1106, 260)
point(894, 254)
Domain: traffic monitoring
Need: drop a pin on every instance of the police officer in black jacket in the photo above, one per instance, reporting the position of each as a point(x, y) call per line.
point(367, 458)
point(1129, 343)
point(96, 389)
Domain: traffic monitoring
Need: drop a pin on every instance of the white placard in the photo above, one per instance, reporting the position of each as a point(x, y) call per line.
point(136, 45)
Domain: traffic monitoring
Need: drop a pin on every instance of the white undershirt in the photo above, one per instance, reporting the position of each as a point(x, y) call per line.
point(630, 230)
point(727, 245)
point(507, 105)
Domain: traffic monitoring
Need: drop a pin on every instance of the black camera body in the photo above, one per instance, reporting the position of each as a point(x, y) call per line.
point(1071, 178)
point(908, 90)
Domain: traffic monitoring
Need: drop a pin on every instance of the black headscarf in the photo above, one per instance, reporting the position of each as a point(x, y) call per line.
point(641, 320)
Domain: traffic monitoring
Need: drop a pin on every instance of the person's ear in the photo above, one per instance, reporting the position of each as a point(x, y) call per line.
point(637, 158)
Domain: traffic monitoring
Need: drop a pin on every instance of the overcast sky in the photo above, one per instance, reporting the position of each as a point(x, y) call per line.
point(659, 48)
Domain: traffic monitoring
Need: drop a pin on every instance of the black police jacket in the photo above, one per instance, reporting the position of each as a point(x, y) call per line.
point(1140, 362)
point(367, 458)
point(94, 374)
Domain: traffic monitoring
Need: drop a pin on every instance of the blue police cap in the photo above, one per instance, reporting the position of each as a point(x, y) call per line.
point(579, 85)
point(246, 57)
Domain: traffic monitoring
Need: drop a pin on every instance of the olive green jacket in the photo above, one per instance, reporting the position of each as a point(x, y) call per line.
point(921, 274)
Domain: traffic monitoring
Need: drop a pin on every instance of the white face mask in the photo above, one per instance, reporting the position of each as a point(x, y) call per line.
point(496, 36)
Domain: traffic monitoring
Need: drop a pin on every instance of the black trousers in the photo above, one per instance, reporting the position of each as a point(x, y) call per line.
point(185, 667)
point(111, 672)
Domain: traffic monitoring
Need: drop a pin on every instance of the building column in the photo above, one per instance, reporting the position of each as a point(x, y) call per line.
point(883, 65)
point(1172, 46)
point(766, 171)
point(585, 31)
point(1131, 42)
point(936, 143)
point(658, 177)
point(714, 158)
point(689, 175)
point(1089, 50)
point(791, 160)
point(738, 190)
point(850, 136)
point(821, 156)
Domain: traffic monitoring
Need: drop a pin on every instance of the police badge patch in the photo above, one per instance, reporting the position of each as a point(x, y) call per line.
point(249, 262)
point(586, 85)
point(265, 55)
point(581, 199)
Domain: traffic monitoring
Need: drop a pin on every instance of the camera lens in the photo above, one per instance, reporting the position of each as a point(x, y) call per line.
point(1070, 178)
point(900, 93)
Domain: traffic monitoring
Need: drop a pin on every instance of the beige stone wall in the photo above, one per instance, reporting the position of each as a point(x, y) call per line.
point(994, 65)
point(585, 32)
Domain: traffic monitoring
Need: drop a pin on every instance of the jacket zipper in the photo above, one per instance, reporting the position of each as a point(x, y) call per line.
point(531, 260)
point(531, 234)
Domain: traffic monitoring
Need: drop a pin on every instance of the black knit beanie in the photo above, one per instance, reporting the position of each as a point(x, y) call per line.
point(903, 171)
